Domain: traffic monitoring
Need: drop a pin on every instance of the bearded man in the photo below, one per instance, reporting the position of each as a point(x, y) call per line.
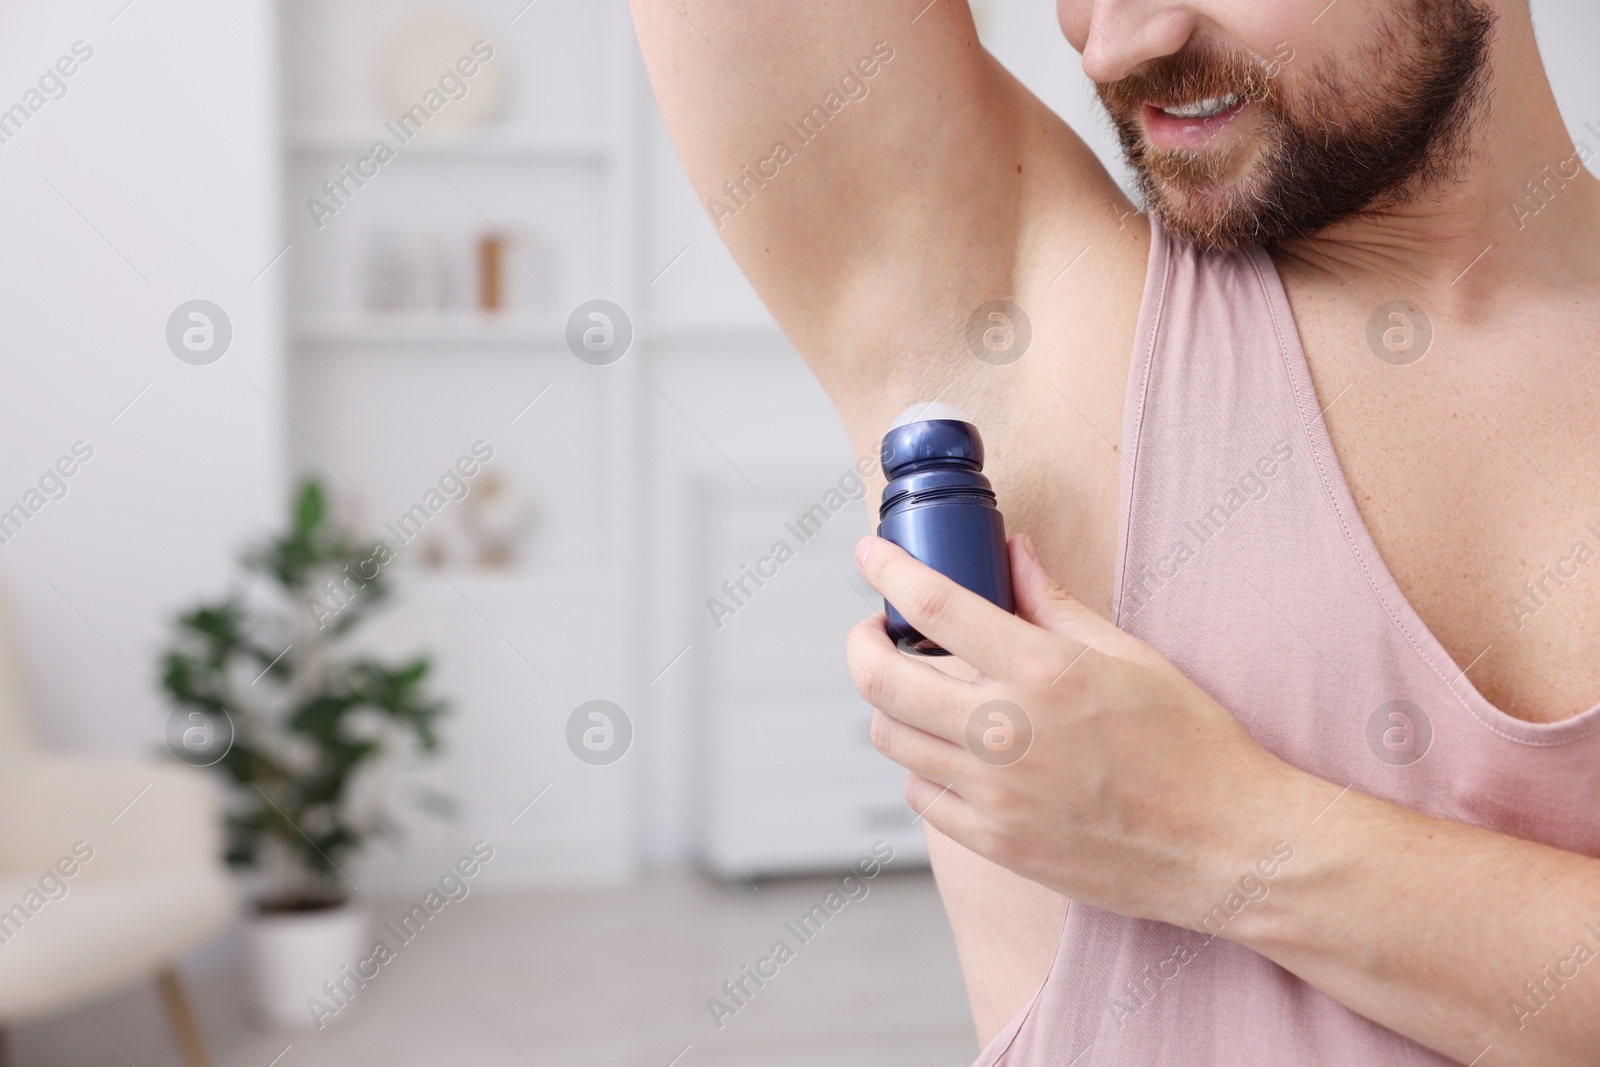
point(1302, 450)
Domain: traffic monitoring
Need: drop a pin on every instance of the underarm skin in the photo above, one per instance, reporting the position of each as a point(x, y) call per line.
point(1006, 929)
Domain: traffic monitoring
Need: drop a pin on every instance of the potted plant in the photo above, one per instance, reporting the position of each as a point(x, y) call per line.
point(300, 725)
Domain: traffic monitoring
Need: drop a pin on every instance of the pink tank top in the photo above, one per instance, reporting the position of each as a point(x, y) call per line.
point(1241, 556)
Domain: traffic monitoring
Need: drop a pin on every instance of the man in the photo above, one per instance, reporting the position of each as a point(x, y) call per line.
point(1316, 431)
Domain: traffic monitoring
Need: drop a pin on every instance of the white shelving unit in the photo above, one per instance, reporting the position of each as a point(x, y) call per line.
point(737, 756)
point(383, 402)
point(350, 141)
point(457, 329)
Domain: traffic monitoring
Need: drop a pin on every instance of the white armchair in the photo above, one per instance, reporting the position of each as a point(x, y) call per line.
point(109, 872)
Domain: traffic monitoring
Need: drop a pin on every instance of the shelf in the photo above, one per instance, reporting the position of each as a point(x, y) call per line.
point(419, 329)
point(672, 331)
point(490, 144)
point(516, 328)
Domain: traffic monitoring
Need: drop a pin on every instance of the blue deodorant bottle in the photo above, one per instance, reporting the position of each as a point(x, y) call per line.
point(940, 508)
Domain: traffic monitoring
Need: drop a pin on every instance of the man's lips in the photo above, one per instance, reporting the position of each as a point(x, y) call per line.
point(1168, 131)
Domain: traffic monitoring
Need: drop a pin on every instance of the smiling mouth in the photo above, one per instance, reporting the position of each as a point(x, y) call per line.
point(1200, 110)
point(1193, 125)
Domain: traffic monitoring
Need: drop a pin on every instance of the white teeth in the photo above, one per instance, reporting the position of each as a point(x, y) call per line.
point(1203, 109)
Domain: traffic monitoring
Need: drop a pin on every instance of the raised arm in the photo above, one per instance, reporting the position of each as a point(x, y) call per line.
point(875, 223)
point(876, 173)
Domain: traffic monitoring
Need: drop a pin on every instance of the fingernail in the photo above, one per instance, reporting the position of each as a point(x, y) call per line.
point(1027, 546)
point(863, 550)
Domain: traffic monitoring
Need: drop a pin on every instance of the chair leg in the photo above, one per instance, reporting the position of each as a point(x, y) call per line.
point(180, 1016)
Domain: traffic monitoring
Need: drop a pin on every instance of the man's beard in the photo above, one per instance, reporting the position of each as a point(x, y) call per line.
point(1343, 142)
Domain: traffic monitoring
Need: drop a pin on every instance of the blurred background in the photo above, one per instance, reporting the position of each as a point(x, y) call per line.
point(509, 347)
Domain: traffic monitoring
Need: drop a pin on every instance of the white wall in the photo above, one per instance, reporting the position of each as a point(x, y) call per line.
point(152, 182)
point(1568, 31)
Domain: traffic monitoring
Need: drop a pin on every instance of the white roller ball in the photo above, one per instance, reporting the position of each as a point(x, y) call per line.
point(927, 411)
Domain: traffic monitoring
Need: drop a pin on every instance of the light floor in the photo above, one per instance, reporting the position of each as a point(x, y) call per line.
point(598, 978)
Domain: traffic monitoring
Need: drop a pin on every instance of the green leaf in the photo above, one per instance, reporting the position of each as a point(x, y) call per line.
point(226, 657)
point(309, 510)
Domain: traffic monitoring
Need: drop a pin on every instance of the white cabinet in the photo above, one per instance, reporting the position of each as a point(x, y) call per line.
point(789, 779)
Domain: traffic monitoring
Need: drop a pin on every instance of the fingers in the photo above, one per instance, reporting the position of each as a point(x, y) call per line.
point(908, 688)
point(942, 808)
point(1044, 602)
point(964, 623)
point(922, 753)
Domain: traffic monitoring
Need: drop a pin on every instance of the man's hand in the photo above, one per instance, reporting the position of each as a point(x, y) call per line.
point(1076, 755)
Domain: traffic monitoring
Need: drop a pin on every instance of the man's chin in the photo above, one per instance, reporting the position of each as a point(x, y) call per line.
point(1214, 209)
point(1214, 224)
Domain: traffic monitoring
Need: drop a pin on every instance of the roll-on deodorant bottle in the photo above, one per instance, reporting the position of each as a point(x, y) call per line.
point(940, 508)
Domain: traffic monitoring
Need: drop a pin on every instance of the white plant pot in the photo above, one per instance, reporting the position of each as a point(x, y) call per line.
point(291, 955)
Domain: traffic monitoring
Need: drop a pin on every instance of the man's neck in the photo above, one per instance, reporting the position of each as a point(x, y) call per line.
point(1523, 214)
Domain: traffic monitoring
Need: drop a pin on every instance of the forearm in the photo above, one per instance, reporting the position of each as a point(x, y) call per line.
point(1475, 944)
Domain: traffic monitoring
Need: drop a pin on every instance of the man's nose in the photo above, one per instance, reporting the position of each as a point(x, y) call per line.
point(1121, 35)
